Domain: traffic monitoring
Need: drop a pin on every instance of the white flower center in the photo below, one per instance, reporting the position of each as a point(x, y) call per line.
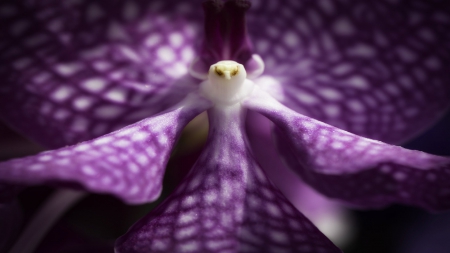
point(227, 83)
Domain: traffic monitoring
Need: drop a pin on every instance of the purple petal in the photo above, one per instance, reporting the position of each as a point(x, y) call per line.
point(374, 68)
point(128, 163)
point(328, 215)
point(296, 191)
point(357, 170)
point(225, 204)
point(72, 71)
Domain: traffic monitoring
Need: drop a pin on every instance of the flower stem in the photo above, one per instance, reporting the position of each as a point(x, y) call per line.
point(54, 207)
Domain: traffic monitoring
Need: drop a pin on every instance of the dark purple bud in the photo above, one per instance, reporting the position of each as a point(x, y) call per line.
point(226, 36)
point(213, 38)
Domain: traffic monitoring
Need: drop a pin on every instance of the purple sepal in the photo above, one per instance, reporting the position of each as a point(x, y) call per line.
point(73, 71)
point(329, 216)
point(376, 69)
point(356, 170)
point(307, 200)
point(225, 204)
point(128, 163)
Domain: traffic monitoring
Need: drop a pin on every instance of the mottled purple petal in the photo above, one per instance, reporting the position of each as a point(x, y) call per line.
point(128, 163)
point(74, 70)
point(328, 215)
point(357, 170)
point(264, 150)
point(225, 204)
point(374, 68)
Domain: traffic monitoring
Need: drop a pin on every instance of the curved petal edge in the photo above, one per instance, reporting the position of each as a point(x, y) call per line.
point(128, 163)
point(356, 170)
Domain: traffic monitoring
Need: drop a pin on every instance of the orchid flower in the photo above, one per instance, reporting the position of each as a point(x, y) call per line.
point(329, 75)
